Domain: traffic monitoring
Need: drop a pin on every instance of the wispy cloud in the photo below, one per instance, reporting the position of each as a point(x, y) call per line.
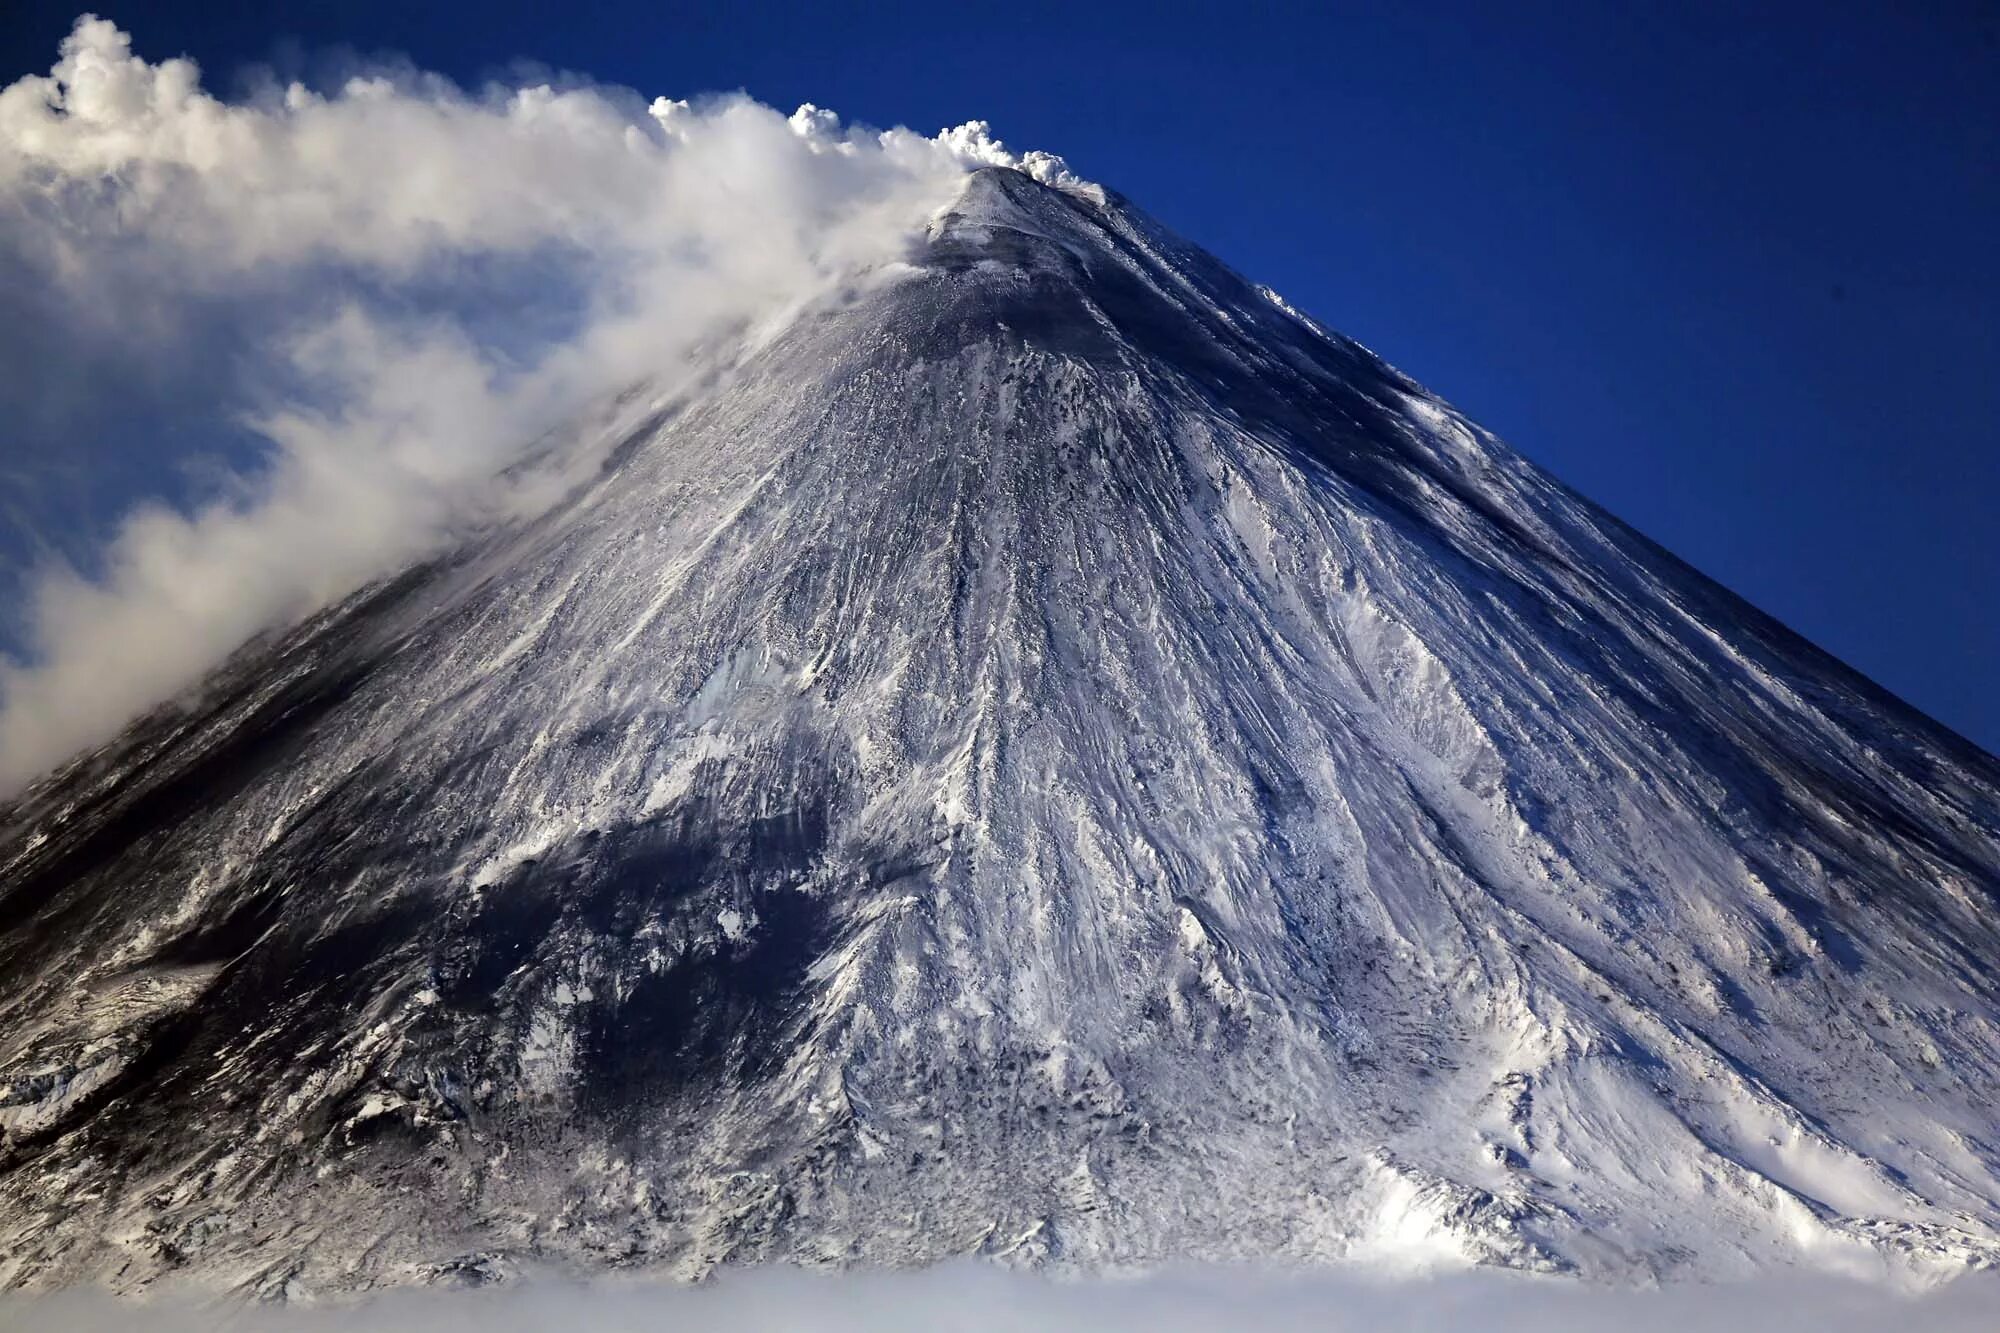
point(416, 280)
point(968, 1298)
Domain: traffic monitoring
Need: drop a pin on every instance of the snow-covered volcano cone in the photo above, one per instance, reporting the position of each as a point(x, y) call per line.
point(1055, 756)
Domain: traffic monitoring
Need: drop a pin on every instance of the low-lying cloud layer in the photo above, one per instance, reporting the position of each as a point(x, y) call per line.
point(389, 288)
point(972, 1299)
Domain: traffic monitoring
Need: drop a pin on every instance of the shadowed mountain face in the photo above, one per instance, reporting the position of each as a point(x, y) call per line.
point(1054, 756)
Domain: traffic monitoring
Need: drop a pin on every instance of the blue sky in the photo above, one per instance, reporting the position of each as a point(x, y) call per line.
point(1735, 278)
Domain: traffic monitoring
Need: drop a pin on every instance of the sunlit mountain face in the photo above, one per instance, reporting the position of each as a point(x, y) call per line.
point(1053, 756)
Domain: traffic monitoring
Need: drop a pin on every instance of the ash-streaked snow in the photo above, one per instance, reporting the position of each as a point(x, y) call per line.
point(1051, 757)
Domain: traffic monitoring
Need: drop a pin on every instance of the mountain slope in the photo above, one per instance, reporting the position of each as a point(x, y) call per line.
point(1052, 756)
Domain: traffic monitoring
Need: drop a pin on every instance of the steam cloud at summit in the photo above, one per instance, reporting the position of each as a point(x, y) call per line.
point(365, 237)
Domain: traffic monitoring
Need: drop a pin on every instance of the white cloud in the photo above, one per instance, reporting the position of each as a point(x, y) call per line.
point(371, 233)
point(968, 1298)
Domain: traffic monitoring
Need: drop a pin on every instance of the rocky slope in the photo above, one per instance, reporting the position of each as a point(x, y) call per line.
point(1053, 756)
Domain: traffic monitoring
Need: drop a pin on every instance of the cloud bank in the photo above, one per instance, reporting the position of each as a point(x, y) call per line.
point(387, 289)
point(967, 1298)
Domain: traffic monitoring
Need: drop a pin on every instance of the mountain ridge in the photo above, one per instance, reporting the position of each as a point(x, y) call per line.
point(1053, 756)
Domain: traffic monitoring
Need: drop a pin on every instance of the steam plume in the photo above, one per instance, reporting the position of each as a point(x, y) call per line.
point(390, 287)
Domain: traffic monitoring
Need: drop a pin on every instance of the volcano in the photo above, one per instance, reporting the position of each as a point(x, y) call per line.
point(1050, 755)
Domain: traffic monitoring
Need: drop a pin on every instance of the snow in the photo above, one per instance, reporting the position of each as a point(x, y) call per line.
point(1054, 757)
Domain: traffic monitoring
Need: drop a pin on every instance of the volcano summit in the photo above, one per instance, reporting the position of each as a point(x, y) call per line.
point(1052, 755)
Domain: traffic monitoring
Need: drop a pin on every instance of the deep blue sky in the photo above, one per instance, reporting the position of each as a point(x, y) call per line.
point(1736, 278)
